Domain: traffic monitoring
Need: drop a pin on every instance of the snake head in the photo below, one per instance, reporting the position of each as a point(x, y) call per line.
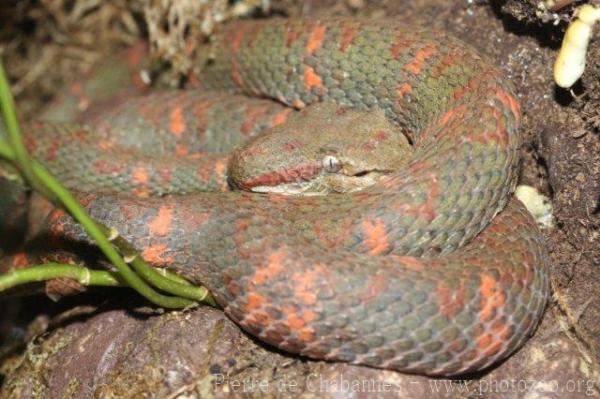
point(322, 149)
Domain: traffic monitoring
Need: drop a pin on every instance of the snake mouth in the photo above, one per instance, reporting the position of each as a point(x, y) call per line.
point(268, 182)
point(326, 183)
point(300, 188)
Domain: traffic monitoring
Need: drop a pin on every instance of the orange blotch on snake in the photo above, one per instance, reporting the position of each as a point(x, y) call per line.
point(299, 323)
point(305, 285)
point(442, 126)
point(155, 254)
point(452, 114)
point(254, 301)
point(376, 237)
point(236, 38)
point(220, 170)
point(316, 38)
point(272, 269)
point(485, 340)
point(403, 90)
point(140, 176)
point(349, 32)
point(421, 56)
point(309, 315)
point(177, 124)
point(490, 342)
point(294, 322)
point(306, 335)
point(492, 297)
point(280, 117)
point(311, 79)
point(510, 102)
point(446, 61)
point(399, 44)
point(141, 193)
point(161, 224)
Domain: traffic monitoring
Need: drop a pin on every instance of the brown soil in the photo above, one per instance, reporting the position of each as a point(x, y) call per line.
point(103, 349)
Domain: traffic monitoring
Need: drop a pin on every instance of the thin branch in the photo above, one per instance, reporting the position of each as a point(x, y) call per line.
point(49, 271)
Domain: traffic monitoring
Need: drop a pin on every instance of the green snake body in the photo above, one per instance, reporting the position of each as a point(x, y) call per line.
point(428, 271)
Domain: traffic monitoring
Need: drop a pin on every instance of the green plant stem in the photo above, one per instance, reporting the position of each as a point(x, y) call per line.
point(167, 282)
point(49, 271)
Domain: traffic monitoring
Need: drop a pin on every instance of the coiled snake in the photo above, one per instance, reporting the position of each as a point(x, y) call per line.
point(433, 269)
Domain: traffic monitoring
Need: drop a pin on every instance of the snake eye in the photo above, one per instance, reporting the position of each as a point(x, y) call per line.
point(331, 164)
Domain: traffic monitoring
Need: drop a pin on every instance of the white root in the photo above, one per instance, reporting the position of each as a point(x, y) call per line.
point(570, 62)
point(537, 204)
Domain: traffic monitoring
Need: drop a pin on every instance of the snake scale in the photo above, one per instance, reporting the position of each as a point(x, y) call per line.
point(433, 269)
